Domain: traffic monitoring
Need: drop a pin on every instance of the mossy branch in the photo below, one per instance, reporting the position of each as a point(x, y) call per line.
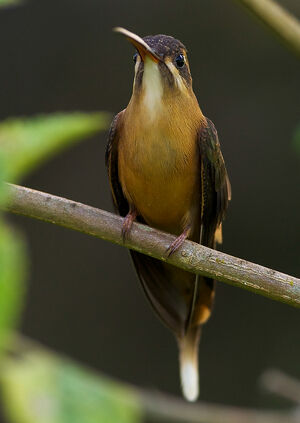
point(192, 257)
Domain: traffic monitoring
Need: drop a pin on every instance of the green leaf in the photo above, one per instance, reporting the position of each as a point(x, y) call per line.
point(12, 273)
point(26, 143)
point(5, 3)
point(38, 386)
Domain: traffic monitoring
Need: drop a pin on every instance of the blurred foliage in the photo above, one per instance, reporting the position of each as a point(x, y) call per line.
point(40, 387)
point(25, 144)
point(12, 274)
point(4, 3)
point(296, 139)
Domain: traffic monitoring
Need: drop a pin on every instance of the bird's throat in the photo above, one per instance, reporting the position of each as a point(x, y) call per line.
point(152, 89)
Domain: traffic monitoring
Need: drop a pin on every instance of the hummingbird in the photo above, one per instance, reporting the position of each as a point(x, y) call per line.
point(166, 170)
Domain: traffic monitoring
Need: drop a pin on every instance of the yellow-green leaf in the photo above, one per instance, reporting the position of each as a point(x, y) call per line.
point(12, 274)
point(40, 387)
point(26, 143)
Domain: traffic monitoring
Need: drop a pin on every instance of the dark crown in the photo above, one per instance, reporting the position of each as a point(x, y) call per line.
point(164, 45)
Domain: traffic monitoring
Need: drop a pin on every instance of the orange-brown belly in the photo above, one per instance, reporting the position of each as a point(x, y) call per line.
point(161, 183)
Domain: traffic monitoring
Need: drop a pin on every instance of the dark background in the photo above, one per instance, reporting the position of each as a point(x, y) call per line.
point(84, 298)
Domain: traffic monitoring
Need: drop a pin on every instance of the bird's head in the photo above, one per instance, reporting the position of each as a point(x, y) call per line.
point(161, 66)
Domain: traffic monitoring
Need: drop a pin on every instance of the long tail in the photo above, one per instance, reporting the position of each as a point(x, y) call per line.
point(188, 361)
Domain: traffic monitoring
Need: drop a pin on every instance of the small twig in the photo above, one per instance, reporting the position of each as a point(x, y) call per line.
point(192, 257)
point(275, 17)
point(281, 384)
point(162, 408)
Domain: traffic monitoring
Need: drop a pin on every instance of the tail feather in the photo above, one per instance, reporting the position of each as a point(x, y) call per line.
point(188, 360)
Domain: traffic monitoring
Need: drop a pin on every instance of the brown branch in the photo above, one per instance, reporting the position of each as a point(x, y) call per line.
point(167, 409)
point(275, 17)
point(192, 257)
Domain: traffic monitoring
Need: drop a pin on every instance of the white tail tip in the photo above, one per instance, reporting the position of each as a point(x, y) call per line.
point(189, 380)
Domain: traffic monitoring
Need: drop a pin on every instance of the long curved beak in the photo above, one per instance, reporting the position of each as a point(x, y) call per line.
point(142, 47)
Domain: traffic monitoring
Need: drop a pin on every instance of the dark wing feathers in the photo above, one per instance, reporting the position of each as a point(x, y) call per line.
point(111, 161)
point(165, 290)
point(216, 191)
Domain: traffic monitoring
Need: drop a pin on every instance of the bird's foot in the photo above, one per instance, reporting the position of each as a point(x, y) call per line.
point(178, 241)
point(127, 223)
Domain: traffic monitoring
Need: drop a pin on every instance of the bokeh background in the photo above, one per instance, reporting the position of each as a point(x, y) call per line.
point(83, 298)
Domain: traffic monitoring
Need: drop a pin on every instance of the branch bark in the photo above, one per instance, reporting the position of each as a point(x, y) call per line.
point(275, 17)
point(192, 257)
point(162, 408)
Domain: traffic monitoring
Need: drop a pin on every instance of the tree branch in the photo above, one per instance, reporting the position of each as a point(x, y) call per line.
point(192, 257)
point(275, 17)
point(167, 409)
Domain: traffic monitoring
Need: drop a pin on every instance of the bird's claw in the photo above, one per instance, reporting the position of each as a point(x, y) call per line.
point(127, 224)
point(177, 243)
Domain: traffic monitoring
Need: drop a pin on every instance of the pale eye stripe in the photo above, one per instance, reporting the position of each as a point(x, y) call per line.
point(136, 66)
point(178, 79)
point(137, 63)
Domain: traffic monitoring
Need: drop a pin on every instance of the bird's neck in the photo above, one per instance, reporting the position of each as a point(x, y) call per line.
point(155, 99)
point(164, 111)
point(165, 140)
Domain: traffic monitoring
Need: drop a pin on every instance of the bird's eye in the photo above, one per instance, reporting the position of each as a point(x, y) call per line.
point(180, 61)
point(134, 57)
